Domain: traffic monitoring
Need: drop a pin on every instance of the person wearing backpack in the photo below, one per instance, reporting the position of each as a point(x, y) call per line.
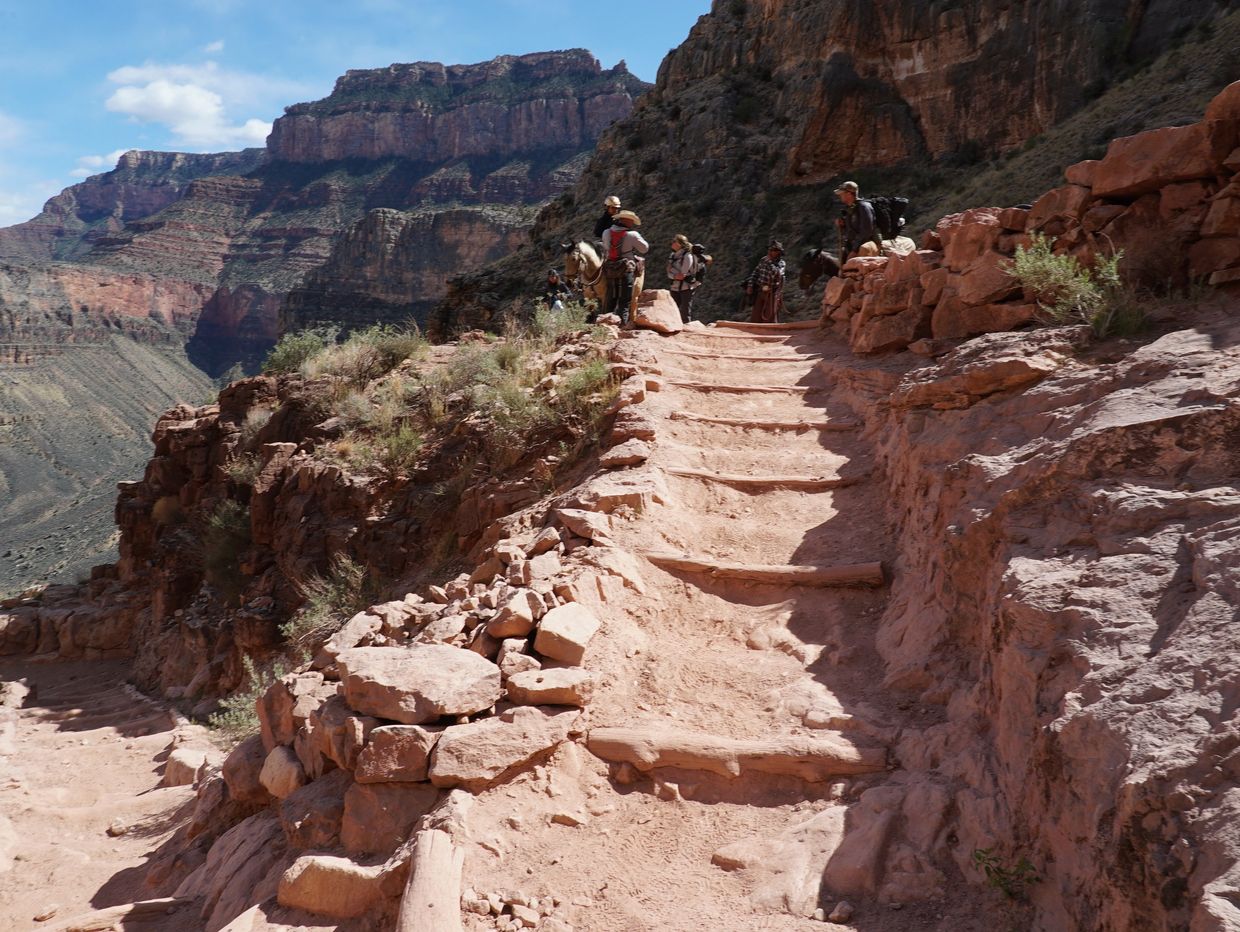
point(858, 227)
point(683, 268)
point(623, 266)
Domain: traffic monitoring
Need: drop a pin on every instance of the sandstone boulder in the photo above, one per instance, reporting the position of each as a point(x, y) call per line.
point(379, 817)
point(396, 754)
point(419, 683)
point(284, 707)
point(986, 280)
point(1148, 161)
point(479, 754)
point(330, 886)
point(565, 632)
point(282, 772)
point(516, 617)
point(954, 320)
point(1066, 203)
point(656, 310)
point(311, 815)
point(183, 766)
point(573, 687)
point(243, 771)
point(629, 453)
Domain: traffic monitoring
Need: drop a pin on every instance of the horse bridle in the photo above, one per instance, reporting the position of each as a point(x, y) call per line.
point(582, 284)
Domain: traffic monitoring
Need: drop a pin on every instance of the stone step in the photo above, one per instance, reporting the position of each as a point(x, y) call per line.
point(803, 483)
point(815, 758)
point(819, 577)
point(695, 386)
point(760, 328)
point(798, 357)
point(765, 423)
point(724, 334)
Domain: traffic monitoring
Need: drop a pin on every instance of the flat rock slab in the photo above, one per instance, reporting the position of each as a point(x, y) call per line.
point(417, 684)
point(812, 758)
point(551, 687)
point(330, 886)
point(396, 754)
point(565, 633)
point(479, 754)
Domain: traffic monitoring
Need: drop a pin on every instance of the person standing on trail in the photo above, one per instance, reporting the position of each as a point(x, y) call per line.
point(611, 206)
point(683, 266)
point(859, 234)
point(765, 286)
point(623, 265)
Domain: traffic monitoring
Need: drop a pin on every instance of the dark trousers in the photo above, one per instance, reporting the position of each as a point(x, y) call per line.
point(619, 296)
point(684, 301)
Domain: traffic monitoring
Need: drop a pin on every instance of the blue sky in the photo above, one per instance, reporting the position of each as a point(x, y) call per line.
point(82, 82)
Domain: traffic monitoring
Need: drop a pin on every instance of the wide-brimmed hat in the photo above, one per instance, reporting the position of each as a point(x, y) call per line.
point(777, 246)
point(848, 186)
point(627, 216)
point(611, 201)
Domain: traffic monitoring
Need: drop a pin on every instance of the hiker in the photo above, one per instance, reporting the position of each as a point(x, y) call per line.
point(859, 235)
point(684, 269)
point(765, 286)
point(555, 292)
point(624, 268)
point(610, 207)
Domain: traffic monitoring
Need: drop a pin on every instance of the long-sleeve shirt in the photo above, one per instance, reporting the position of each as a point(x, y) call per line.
point(768, 273)
point(859, 225)
point(632, 244)
point(681, 266)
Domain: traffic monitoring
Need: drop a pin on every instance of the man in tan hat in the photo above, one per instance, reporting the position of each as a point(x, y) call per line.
point(858, 230)
point(623, 265)
point(610, 207)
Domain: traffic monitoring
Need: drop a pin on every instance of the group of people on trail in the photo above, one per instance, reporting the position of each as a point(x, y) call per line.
point(623, 251)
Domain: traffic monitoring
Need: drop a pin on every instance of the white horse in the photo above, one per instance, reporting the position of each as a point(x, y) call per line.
point(583, 267)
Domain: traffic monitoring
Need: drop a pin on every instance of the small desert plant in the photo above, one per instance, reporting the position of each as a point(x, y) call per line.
point(1011, 880)
point(1069, 292)
point(237, 718)
point(330, 601)
point(295, 349)
point(224, 538)
point(243, 469)
point(255, 420)
point(367, 354)
point(167, 510)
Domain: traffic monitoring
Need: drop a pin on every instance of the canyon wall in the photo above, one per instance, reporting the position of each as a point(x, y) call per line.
point(198, 252)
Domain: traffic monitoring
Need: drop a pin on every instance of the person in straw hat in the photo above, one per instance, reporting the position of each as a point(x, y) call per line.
point(623, 265)
point(611, 206)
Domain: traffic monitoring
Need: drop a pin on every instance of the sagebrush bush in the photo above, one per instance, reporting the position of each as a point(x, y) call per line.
point(366, 354)
point(330, 601)
point(237, 718)
point(294, 349)
point(255, 420)
point(1069, 292)
point(243, 469)
point(225, 536)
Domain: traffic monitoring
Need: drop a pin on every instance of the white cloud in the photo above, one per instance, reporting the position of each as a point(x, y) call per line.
point(25, 202)
point(199, 102)
point(214, 48)
point(89, 165)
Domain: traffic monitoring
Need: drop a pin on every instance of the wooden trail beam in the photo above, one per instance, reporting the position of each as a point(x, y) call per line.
point(718, 334)
point(743, 389)
point(813, 758)
point(801, 483)
point(432, 899)
point(759, 328)
point(788, 574)
point(799, 357)
point(764, 424)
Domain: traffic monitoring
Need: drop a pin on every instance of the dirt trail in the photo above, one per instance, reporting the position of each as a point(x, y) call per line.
point(84, 755)
point(735, 660)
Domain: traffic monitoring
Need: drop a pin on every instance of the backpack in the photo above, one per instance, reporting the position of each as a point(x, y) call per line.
point(613, 245)
point(889, 214)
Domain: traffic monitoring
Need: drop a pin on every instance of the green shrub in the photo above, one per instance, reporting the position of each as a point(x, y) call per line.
point(237, 718)
point(243, 469)
point(225, 537)
point(1068, 292)
point(295, 349)
point(367, 354)
point(1013, 881)
point(329, 602)
point(255, 420)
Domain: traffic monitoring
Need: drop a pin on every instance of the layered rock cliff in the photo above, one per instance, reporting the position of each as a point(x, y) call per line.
point(768, 105)
point(200, 251)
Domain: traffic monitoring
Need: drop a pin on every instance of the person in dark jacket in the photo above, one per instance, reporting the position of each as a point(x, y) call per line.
point(555, 291)
point(858, 228)
point(611, 207)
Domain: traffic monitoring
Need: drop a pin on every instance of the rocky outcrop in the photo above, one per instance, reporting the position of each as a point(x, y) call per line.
point(437, 113)
point(1167, 200)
